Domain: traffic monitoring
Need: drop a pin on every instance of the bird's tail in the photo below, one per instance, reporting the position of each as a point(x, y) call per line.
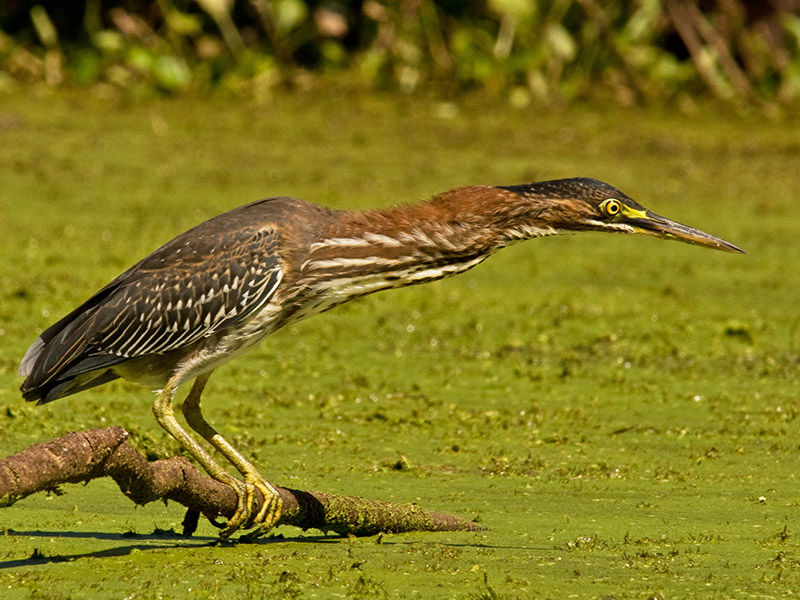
point(60, 362)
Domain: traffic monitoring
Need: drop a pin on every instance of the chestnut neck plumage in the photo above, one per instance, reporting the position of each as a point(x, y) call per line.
point(363, 252)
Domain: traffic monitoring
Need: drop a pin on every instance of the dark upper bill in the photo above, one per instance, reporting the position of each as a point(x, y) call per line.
point(660, 226)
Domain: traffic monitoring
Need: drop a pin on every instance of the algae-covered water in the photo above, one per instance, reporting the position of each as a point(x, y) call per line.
point(620, 413)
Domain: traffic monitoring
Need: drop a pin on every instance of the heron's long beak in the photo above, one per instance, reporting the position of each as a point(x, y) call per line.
point(650, 223)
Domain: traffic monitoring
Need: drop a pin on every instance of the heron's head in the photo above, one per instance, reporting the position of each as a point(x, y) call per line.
point(582, 204)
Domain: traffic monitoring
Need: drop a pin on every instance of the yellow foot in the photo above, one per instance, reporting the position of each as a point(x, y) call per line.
point(267, 516)
point(244, 506)
point(270, 512)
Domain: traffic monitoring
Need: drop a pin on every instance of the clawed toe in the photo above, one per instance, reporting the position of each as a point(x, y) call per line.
point(270, 512)
point(267, 516)
point(244, 507)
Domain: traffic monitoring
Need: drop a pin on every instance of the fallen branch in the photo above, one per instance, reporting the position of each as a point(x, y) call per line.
point(86, 455)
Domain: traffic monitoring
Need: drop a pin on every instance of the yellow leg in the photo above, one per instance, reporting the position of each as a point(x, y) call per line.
point(163, 410)
point(270, 511)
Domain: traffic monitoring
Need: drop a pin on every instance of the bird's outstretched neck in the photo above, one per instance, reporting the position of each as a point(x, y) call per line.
point(363, 252)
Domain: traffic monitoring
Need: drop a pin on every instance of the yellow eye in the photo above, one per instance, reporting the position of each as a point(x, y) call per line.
point(611, 207)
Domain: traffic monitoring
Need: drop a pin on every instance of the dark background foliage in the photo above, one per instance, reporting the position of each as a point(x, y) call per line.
point(551, 51)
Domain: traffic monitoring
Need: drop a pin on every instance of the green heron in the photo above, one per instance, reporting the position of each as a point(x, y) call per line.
point(218, 289)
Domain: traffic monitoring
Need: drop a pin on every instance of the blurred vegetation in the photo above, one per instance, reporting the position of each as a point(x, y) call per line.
point(547, 51)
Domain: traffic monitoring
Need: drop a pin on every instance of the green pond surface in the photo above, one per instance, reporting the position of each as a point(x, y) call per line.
point(619, 412)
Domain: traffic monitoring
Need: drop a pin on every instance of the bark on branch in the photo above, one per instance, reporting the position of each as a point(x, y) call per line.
point(86, 455)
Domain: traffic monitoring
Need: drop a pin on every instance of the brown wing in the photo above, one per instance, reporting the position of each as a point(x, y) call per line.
point(201, 282)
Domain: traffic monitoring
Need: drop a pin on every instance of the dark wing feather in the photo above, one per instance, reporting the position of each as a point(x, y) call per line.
point(163, 311)
point(192, 287)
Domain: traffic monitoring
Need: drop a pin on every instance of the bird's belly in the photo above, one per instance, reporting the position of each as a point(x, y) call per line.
point(226, 345)
point(153, 370)
point(184, 364)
